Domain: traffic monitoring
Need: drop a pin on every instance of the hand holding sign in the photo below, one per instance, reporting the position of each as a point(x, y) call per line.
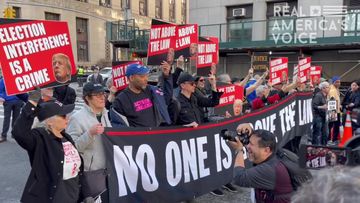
point(213, 69)
point(35, 96)
point(212, 81)
point(193, 124)
point(113, 90)
point(165, 68)
point(227, 114)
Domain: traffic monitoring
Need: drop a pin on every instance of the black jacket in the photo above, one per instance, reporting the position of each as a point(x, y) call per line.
point(97, 80)
point(65, 94)
point(319, 100)
point(46, 157)
point(191, 108)
point(355, 99)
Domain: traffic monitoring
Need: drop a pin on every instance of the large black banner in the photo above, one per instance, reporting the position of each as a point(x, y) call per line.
point(171, 164)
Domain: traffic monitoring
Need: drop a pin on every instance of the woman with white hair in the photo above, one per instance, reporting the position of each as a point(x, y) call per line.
point(263, 98)
point(55, 161)
point(319, 108)
point(332, 185)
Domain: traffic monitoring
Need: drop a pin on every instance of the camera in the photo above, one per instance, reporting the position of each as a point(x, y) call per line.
point(231, 135)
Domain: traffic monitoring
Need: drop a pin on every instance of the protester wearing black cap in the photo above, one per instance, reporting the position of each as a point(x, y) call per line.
point(192, 104)
point(55, 161)
point(86, 127)
point(143, 105)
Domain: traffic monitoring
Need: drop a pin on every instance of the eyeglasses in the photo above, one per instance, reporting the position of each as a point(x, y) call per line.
point(201, 80)
point(98, 95)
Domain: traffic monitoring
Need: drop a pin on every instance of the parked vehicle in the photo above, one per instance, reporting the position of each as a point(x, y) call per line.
point(104, 72)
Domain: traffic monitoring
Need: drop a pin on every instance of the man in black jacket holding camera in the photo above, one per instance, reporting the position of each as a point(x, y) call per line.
point(269, 177)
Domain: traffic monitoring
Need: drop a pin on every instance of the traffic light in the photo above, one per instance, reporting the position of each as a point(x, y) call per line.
point(9, 12)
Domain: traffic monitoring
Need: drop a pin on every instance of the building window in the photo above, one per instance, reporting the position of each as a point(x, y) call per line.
point(52, 16)
point(352, 18)
point(183, 12)
point(125, 4)
point(82, 39)
point(17, 11)
point(280, 20)
point(158, 9)
point(143, 7)
point(352, 23)
point(105, 3)
point(172, 17)
point(239, 23)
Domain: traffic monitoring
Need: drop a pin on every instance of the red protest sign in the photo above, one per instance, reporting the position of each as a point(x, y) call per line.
point(278, 70)
point(215, 41)
point(162, 43)
point(315, 74)
point(208, 50)
point(35, 53)
point(304, 69)
point(186, 40)
point(120, 80)
point(231, 93)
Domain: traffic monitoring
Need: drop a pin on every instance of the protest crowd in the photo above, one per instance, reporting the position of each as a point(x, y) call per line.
point(70, 161)
point(179, 99)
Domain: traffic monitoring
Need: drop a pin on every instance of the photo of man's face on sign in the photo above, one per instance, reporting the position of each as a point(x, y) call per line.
point(316, 80)
point(193, 49)
point(170, 56)
point(61, 67)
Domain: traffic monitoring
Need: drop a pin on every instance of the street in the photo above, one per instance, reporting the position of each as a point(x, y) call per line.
point(15, 169)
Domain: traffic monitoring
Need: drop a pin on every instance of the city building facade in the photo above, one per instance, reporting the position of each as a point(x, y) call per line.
point(326, 30)
point(89, 20)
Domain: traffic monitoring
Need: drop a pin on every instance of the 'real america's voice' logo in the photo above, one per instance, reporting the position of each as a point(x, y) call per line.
point(326, 10)
point(298, 25)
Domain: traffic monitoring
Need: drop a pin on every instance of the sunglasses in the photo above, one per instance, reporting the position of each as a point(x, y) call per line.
point(201, 80)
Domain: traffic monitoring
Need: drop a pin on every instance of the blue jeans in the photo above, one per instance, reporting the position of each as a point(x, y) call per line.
point(319, 135)
point(10, 107)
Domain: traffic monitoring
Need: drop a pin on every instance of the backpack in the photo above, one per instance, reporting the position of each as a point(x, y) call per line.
point(298, 175)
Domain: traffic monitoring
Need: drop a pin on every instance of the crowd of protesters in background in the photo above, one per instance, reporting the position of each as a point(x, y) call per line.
point(180, 98)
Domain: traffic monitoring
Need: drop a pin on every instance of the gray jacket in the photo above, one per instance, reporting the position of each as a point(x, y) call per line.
point(91, 148)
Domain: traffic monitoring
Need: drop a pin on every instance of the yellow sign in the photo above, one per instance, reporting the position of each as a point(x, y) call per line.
point(9, 12)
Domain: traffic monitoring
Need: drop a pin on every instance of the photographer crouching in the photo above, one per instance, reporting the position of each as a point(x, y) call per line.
point(269, 177)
